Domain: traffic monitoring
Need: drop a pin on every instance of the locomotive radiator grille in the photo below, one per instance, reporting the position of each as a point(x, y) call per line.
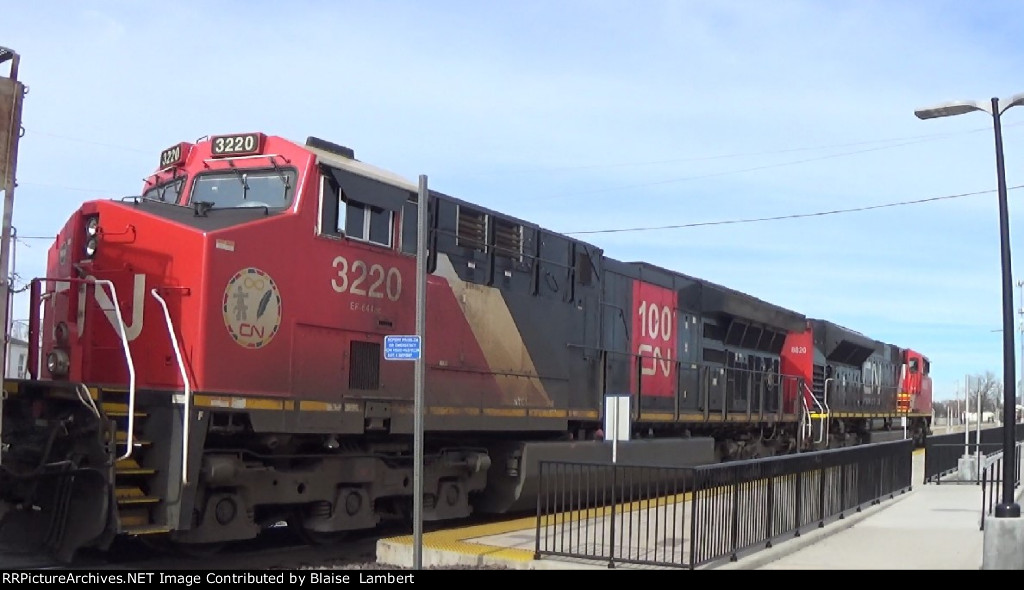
point(364, 367)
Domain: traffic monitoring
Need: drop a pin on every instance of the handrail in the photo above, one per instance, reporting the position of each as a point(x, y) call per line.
point(187, 417)
point(824, 400)
point(86, 399)
point(805, 417)
point(39, 355)
point(823, 410)
point(807, 408)
point(121, 331)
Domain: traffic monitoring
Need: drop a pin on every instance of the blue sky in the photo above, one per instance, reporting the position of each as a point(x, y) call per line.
point(589, 115)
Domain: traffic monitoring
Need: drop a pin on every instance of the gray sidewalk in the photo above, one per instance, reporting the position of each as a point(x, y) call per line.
point(932, 527)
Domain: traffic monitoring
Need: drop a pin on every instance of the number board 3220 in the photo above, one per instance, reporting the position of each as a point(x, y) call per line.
point(236, 145)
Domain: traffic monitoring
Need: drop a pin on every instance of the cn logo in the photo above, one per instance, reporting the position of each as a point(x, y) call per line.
point(133, 324)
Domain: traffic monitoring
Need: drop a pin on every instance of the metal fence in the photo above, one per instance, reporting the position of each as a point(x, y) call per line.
point(992, 480)
point(691, 516)
point(943, 452)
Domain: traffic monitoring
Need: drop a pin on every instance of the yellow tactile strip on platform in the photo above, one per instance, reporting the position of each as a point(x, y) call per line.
point(456, 539)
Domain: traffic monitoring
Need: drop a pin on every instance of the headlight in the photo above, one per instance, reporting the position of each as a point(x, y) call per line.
point(90, 247)
point(92, 226)
point(60, 333)
point(57, 363)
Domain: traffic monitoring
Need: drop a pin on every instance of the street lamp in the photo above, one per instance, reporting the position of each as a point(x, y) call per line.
point(1007, 508)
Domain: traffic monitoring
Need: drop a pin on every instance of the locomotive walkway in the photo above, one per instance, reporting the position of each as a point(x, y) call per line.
point(930, 527)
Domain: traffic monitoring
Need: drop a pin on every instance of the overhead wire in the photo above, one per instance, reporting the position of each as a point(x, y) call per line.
point(725, 172)
point(911, 139)
point(88, 141)
point(791, 216)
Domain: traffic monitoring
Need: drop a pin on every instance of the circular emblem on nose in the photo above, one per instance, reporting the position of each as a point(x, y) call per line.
point(252, 308)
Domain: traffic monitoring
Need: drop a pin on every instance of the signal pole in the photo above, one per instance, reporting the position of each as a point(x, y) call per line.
point(11, 94)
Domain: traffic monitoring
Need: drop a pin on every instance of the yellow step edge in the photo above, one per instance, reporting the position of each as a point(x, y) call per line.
point(134, 519)
point(128, 492)
point(147, 530)
point(119, 414)
point(138, 500)
point(119, 409)
point(135, 471)
point(122, 436)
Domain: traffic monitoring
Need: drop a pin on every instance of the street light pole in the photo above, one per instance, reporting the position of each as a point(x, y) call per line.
point(1008, 507)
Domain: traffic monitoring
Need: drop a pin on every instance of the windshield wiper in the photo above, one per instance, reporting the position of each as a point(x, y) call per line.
point(284, 177)
point(243, 178)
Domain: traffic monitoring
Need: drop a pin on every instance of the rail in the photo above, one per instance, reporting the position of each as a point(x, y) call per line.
point(187, 402)
point(34, 336)
point(686, 517)
point(992, 478)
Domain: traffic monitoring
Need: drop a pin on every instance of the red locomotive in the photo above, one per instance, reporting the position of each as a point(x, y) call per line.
point(207, 359)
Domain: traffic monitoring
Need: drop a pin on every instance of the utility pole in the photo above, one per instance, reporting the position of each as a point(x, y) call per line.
point(12, 93)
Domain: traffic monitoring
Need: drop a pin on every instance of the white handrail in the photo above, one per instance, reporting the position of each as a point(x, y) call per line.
point(129, 444)
point(86, 398)
point(39, 349)
point(807, 407)
point(824, 410)
point(187, 417)
point(824, 400)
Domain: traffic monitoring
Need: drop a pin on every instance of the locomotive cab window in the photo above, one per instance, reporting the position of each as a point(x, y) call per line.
point(237, 188)
point(364, 222)
point(167, 192)
point(913, 365)
point(358, 208)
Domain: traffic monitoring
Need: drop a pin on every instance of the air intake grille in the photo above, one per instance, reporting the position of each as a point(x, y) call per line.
point(364, 367)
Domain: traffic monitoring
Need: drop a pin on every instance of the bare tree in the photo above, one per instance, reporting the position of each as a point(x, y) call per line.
point(989, 388)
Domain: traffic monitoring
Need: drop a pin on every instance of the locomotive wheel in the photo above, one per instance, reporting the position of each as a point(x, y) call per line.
point(310, 537)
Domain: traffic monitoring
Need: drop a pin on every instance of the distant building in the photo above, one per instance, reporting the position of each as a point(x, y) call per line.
point(17, 351)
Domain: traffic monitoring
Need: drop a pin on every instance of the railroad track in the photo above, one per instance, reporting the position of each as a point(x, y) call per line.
point(276, 548)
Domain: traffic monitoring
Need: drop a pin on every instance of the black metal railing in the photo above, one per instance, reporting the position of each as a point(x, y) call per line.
point(943, 452)
point(691, 516)
point(992, 479)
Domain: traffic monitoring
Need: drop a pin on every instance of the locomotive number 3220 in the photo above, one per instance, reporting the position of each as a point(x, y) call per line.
point(371, 281)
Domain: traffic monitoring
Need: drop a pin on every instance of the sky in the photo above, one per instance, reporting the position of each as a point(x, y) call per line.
point(586, 116)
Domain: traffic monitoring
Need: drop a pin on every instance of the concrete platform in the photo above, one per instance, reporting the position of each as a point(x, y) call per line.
point(931, 527)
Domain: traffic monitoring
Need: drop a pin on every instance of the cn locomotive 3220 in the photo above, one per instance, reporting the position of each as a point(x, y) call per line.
point(206, 359)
